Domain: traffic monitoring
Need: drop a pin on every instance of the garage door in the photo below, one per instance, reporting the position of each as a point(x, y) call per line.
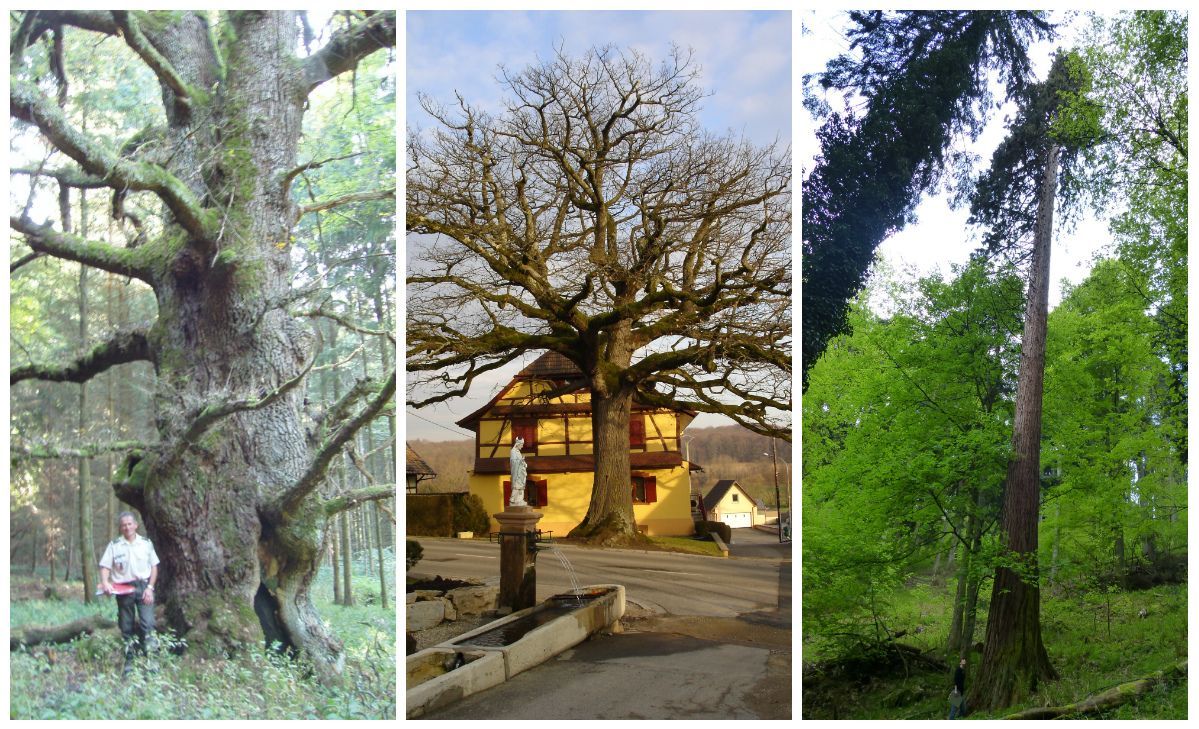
point(737, 520)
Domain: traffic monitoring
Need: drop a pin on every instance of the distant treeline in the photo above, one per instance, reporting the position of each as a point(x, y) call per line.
point(724, 452)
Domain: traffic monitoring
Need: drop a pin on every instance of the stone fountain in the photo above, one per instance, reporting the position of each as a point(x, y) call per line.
point(518, 541)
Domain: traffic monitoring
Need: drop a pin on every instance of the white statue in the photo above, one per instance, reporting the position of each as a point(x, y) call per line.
point(519, 474)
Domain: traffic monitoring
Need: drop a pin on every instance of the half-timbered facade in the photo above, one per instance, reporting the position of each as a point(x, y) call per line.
point(549, 406)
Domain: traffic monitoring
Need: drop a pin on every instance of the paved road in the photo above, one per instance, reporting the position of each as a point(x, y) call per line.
point(677, 584)
point(758, 544)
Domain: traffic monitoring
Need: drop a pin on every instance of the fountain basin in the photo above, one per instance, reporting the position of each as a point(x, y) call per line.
point(528, 637)
point(432, 685)
point(503, 648)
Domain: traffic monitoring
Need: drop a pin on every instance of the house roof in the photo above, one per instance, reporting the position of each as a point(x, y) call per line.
point(416, 465)
point(717, 492)
point(550, 366)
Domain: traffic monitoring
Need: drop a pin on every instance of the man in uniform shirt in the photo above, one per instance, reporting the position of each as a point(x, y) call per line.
point(130, 560)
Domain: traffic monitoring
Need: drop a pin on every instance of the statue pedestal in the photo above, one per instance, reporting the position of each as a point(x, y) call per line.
point(518, 557)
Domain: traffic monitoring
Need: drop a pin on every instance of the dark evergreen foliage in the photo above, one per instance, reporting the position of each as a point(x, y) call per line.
point(924, 77)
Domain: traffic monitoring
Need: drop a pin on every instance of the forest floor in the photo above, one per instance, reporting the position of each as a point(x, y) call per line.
point(83, 680)
point(1094, 640)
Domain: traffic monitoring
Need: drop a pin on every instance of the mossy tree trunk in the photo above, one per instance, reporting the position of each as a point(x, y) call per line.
point(229, 493)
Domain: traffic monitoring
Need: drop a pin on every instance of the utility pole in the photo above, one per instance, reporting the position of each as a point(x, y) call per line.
point(778, 504)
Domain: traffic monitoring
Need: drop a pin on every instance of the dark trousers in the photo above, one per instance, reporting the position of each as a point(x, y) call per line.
point(136, 620)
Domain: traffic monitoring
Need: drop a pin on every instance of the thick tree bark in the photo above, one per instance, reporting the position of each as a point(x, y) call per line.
point(1014, 658)
point(609, 519)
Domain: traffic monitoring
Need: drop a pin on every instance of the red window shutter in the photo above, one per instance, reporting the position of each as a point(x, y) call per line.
point(526, 429)
point(651, 489)
point(507, 494)
point(543, 492)
point(637, 431)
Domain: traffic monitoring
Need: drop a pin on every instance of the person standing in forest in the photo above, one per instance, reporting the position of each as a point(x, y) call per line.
point(130, 561)
point(957, 699)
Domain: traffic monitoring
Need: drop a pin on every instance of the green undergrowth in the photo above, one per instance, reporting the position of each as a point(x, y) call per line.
point(1089, 654)
point(83, 679)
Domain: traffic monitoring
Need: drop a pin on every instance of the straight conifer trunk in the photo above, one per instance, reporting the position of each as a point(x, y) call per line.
point(1014, 658)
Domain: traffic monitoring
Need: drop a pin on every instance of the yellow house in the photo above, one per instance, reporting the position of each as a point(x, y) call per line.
point(547, 405)
point(732, 504)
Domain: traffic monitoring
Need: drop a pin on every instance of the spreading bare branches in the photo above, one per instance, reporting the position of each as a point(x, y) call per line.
point(596, 219)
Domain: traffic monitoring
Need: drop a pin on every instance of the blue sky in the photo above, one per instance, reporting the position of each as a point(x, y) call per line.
point(745, 62)
point(745, 57)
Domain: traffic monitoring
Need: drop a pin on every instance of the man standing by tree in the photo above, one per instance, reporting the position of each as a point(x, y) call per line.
point(129, 561)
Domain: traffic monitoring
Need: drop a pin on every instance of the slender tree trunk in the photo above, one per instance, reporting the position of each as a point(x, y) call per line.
point(335, 536)
point(959, 604)
point(382, 562)
point(347, 570)
point(87, 556)
point(1014, 658)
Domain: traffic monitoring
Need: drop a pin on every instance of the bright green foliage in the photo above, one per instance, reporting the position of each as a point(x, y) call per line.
point(1108, 434)
point(904, 424)
point(1139, 63)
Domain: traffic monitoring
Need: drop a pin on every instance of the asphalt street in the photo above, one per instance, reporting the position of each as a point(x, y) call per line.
point(660, 582)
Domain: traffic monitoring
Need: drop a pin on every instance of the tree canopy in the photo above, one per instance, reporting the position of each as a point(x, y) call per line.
point(922, 79)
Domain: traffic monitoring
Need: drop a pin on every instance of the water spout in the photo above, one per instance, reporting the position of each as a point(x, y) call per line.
point(570, 572)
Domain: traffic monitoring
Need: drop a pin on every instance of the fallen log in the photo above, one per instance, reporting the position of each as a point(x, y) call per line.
point(36, 635)
point(1109, 699)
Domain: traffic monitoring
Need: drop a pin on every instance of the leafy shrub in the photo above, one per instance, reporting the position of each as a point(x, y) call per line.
point(470, 515)
point(705, 528)
point(414, 553)
point(430, 515)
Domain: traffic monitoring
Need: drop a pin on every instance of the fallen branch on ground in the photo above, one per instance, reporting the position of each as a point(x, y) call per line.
point(65, 633)
point(1110, 699)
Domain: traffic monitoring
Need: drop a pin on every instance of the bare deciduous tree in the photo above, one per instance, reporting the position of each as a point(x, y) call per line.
point(594, 217)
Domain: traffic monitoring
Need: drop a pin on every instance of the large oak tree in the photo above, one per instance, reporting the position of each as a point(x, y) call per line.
point(229, 492)
point(593, 217)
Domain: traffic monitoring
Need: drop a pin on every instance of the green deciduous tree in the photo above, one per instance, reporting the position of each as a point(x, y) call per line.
point(904, 440)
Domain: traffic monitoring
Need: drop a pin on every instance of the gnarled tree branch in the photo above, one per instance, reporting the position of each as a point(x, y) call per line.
point(43, 239)
point(346, 200)
point(289, 501)
point(348, 47)
point(29, 105)
point(132, 33)
point(350, 499)
point(123, 347)
point(30, 452)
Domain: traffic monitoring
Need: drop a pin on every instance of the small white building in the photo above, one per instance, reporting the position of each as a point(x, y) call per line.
point(731, 504)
